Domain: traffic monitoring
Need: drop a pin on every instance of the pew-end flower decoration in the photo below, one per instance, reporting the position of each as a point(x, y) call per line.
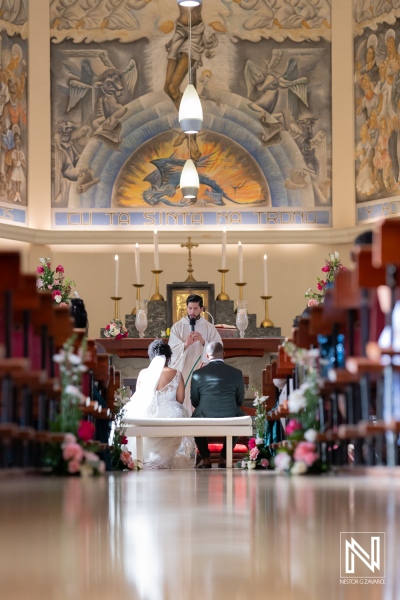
point(76, 452)
point(330, 269)
point(54, 281)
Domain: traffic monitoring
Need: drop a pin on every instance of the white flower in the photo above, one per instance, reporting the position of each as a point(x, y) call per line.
point(337, 255)
point(310, 435)
point(43, 260)
point(60, 357)
point(282, 461)
point(313, 353)
point(72, 390)
point(243, 464)
point(75, 359)
point(258, 400)
point(297, 401)
point(259, 441)
point(299, 468)
point(251, 464)
point(305, 386)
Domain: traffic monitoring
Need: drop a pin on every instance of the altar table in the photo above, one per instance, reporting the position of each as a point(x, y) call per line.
point(234, 347)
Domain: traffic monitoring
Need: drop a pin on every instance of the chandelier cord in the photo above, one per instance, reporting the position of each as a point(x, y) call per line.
point(190, 45)
point(190, 63)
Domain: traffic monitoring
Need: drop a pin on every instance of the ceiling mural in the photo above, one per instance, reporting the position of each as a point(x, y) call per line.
point(263, 72)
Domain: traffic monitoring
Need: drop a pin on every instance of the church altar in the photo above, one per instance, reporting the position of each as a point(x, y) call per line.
point(234, 347)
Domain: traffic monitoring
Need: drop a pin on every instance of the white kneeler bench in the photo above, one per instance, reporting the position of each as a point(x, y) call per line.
point(224, 427)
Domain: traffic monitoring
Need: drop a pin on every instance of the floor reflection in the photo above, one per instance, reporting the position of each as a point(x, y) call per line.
point(191, 535)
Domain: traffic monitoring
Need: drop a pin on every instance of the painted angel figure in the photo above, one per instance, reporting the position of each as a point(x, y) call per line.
point(69, 140)
point(99, 87)
point(313, 147)
point(264, 86)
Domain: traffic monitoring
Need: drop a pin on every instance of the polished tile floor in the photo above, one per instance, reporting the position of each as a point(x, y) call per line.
point(171, 535)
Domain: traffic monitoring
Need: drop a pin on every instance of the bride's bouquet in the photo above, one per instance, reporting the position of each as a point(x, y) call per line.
point(116, 330)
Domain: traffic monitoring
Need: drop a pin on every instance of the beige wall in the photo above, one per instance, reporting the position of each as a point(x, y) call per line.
point(295, 258)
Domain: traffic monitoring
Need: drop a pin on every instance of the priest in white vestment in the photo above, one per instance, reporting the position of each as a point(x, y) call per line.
point(189, 347)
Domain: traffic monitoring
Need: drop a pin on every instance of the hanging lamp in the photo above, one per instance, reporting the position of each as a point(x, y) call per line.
point(190, 110)
point(189, 182)
point(189, 3)
point(190, 118)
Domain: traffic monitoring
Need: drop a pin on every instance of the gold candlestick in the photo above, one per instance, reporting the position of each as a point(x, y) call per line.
point(222, 295)
point(157, 296)
point(116, 305)
point(267, 322)
point(137, 286)
point(241, 286)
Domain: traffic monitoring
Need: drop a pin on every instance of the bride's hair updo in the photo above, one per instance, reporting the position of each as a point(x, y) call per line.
point(160, 348)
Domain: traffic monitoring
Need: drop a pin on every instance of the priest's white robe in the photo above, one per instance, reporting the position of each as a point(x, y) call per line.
point(189, 360)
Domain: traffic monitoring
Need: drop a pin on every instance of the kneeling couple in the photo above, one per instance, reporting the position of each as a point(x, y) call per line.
point(217, 390)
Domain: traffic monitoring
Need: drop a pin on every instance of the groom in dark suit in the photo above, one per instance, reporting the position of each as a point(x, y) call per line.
point(217, 390)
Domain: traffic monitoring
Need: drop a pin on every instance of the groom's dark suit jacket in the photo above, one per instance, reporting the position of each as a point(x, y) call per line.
point(217, 390)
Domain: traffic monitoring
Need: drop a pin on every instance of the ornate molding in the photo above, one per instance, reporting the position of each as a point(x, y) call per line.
point(52, 237)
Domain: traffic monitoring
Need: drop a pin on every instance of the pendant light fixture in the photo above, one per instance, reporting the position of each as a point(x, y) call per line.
point(189, 182)
point(190, 119)
point(190, 110)
point(189, 3)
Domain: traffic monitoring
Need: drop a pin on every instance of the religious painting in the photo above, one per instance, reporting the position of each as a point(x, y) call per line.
point(176, 299)
point(13, 111)
point(263, 73)
point(377, 108)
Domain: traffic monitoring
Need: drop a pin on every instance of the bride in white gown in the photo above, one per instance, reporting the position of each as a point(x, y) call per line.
point(160, 392)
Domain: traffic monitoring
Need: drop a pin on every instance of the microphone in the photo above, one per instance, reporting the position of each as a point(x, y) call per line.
point(192, 323)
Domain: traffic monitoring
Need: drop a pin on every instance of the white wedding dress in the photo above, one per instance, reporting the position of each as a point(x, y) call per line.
point(160, 453)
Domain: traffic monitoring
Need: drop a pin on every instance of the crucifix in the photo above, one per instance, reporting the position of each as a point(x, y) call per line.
point(189, 245)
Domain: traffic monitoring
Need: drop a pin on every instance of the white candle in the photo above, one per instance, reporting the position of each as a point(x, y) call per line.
point(156, 257)
point(240, 256)
point(223, 256)
point(265, 275)
point(137, 263)
point(116, 276)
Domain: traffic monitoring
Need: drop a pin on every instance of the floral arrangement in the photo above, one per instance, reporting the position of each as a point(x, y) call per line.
point(121, 458)
point(77, 453)
point(116, 330)
point(258, 456)
point(331, 268)
point(54, 281)
point(165, 333)
point(300, 455)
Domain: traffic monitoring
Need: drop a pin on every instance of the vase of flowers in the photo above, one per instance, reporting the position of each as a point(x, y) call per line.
point(121, 457)
point(54, 281)
point(115, 330)
point(331, 268)
point(258, 456)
